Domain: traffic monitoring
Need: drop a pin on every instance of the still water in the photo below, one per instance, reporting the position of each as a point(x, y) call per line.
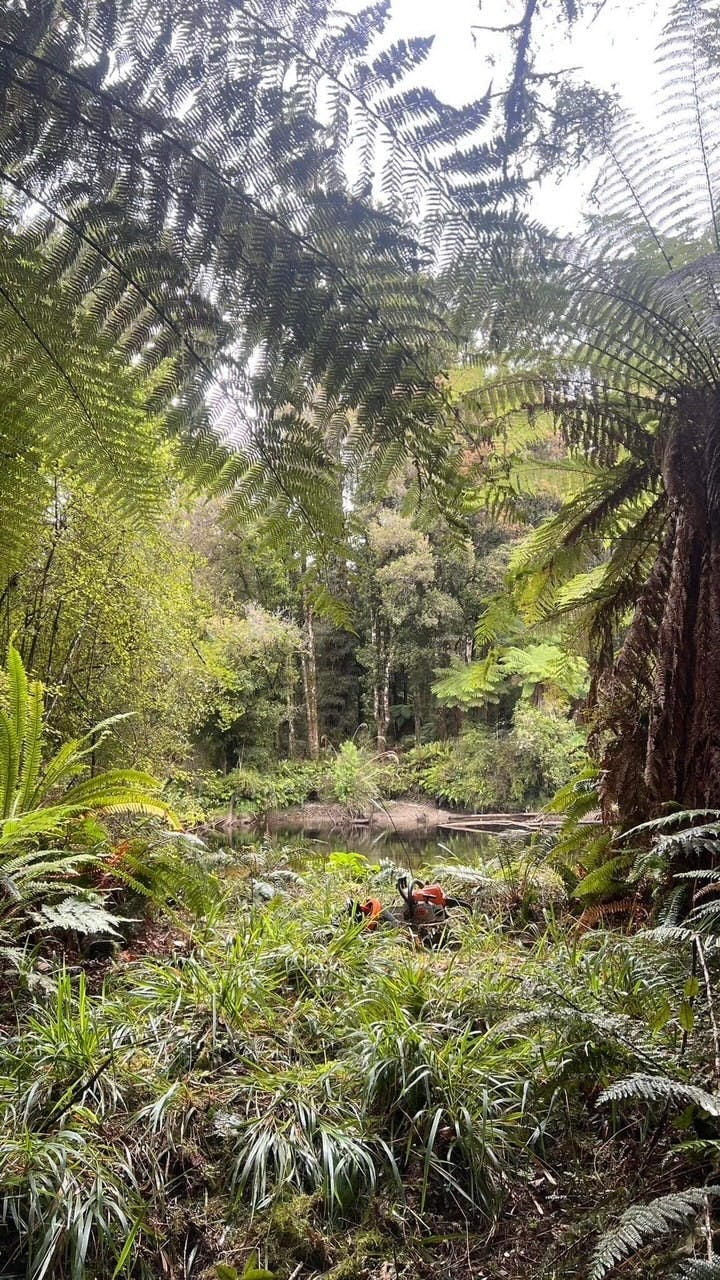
point(412, 851)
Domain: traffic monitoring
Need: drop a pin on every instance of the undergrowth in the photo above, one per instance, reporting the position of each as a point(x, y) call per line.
point(267, 1083)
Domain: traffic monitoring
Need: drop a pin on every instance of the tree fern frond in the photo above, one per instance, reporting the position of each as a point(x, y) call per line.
point(708, 1270)
point(642, 1224)
point(661, 1089)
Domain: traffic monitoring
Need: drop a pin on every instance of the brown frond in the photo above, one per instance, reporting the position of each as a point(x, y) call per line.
point(633, 908)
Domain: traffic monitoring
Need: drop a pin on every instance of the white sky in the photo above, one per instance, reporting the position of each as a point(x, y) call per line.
point(616, 51)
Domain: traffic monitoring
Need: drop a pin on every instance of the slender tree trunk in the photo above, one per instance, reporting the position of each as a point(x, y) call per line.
point(380, 699)
point(384, 724)
point(309, 670)
point(290, 702)
point(375, 642)
point(380, 639)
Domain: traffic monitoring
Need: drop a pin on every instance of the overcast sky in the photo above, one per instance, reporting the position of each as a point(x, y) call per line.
point(614, 52)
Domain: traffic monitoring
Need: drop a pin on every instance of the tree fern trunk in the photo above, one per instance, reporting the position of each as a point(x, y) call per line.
point(659, 708)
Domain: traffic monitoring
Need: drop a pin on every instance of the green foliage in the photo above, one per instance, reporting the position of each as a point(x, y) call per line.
point(662, 1089)
point(36, 797)
point(110, 616)
point(678, 841)
point(285, 1054)
point(250, 661)
point(535, 669)
point(350, 863)
point(617, 354)
point(78, 916)
point(274, 1052)
point(482, 769)
point(645, 1224)
point(71, 404)
point(516, 768)
point(135, 218)
point(163, 869)
point(290, 783)
point(355, 776)
point(44, 801)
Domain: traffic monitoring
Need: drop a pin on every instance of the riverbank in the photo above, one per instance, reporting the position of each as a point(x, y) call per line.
point(421, 788)
point(404, 817)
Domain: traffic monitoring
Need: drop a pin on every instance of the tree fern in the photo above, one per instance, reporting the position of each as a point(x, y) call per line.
point(623, 360)
point(183, 177)
point(643, 1224)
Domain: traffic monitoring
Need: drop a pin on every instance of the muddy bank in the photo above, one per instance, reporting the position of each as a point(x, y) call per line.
point(402, 816)
point(396, 815)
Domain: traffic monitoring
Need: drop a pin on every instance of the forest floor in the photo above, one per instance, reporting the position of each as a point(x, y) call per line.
point(343, 1104)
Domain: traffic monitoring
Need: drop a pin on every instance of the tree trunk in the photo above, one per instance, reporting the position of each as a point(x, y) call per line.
point(382, 691)
point(380, 640)
point(659, 706)
point(309, 671)
point(290, 705)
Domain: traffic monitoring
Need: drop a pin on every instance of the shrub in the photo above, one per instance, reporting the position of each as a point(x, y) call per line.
point(49, 814)
point(509, 769)
point(255, 791)
point(357, 776)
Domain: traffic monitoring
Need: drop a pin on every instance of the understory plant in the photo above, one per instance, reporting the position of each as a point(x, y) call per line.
point(50, 810)
point(501, 769)
point(278, 1055)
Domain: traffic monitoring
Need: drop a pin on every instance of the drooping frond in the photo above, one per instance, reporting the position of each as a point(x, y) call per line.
point(661, 1089)
point(618, 345)
point(198, 180)
point(69, 403)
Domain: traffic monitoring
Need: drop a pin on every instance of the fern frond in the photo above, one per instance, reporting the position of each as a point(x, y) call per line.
point(661, 1089)
point(709, 1270)
point(642, 1224)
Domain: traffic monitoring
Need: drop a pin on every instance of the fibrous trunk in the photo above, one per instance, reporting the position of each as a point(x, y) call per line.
point(659, 706)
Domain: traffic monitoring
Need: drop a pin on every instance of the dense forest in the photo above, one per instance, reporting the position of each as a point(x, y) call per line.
point(360, 632)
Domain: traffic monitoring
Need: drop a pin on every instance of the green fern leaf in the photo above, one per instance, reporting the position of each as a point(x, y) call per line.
point(661, 1089)
point(643, 1224)
point(81, 915)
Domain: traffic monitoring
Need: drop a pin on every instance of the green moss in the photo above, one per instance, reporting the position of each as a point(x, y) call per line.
point(294, 1230)
point(365, 1248)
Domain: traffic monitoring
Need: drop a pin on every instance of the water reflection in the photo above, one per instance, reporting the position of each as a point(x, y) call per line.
point(412, 851)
